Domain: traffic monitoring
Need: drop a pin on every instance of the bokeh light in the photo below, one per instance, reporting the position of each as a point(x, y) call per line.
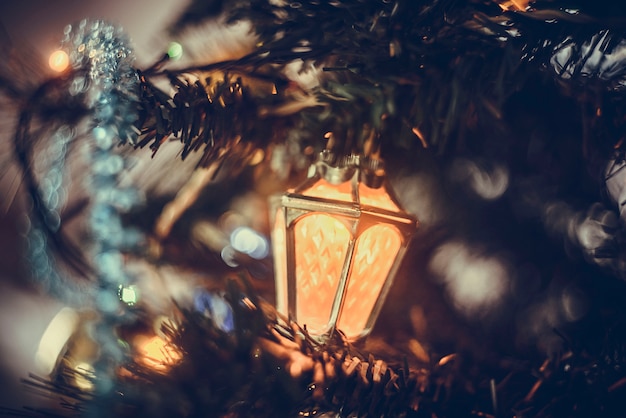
point(175, 51)
point(248, 241)
point(475, 283)
point(214, 306)
point(156, 353)
point(59, 61)
point(128, 295)
point(487, 183)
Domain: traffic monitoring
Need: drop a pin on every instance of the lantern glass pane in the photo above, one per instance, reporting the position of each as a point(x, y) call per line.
point(321, 245)
point(374, 255)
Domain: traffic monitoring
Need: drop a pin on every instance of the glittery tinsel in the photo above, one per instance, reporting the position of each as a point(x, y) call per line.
point(102, 61)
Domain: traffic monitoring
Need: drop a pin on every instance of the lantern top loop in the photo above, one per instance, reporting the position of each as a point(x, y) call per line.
point(337, 169)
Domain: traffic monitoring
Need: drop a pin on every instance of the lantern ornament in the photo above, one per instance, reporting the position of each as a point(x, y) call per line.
point(338, 241)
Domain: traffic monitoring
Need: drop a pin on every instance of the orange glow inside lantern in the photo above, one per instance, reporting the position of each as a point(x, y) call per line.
point(338, 241)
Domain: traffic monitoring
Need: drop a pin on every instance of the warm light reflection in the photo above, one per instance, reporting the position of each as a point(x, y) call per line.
point(279, 240)
point(369, 196)
point(378, 198)
point(157, 353)
point(325, 190)
point(59, 61)
point(375, 251)
point(84, 375)
point(514, 5)
point(321, 248)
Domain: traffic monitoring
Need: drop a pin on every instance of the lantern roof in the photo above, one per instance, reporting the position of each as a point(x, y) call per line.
point(351, 179)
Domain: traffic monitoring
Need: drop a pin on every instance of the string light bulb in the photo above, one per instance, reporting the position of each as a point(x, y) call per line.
point(59, 61)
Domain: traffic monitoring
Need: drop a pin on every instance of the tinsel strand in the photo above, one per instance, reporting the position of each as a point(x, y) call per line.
point(110, 86)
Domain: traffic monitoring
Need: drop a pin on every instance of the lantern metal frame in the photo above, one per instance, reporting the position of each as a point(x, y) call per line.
point(358, 216)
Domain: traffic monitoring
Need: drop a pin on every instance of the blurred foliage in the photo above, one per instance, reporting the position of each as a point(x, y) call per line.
point(439, 68)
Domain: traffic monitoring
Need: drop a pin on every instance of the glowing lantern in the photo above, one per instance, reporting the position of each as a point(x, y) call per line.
point(338, 241)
